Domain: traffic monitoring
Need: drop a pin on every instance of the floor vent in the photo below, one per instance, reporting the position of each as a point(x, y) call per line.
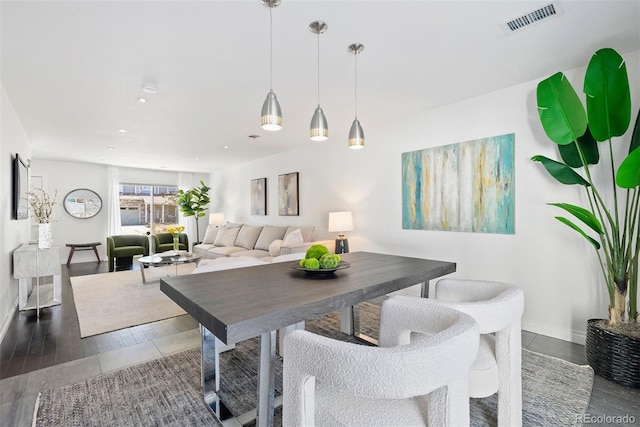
point(532, 17)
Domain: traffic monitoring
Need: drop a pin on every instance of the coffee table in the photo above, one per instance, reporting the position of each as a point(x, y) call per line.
point(167, 258)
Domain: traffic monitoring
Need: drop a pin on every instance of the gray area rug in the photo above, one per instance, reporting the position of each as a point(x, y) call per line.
point(166, 391)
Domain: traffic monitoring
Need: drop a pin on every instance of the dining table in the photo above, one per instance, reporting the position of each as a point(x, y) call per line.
point(238, 304)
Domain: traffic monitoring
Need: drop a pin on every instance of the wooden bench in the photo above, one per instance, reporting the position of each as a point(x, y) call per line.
point(82, 247)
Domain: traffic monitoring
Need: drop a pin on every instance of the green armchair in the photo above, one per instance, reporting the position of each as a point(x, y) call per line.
point(121, 249)
point(164, 242)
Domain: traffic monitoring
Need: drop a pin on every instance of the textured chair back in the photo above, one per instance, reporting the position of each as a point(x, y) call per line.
point(498, 308)
point(424, 360)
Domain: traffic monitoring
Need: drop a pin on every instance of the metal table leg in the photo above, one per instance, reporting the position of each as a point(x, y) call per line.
point(266, 379)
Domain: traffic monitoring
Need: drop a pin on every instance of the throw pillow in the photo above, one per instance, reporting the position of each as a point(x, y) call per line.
point(226, 236)
point(294, 237)
point(248, 236)
point(210, 235)
point(268, 235)
point(274, 247)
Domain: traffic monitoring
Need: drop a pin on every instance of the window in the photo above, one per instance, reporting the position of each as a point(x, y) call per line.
point(147, 207)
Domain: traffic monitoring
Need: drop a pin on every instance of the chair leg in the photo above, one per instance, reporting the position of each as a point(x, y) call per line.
point(509, 359)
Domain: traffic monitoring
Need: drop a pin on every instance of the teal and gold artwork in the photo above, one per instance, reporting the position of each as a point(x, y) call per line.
point(467, 186)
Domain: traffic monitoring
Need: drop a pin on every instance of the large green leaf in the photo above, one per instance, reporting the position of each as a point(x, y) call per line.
point(628, 175)
point(561, 112)
point(635, 137)
point(582, 214)
point(589, 147)
point(591, 240)
point(608, 98)
point(560, 171)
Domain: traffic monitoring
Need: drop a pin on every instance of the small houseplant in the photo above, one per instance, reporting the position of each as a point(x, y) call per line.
point(194, 203)
point(41, 205)
point(611, 228)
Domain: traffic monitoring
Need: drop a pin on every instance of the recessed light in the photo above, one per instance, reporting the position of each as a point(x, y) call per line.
point(149, 88)
point(122, 130)
point(225, 147)
point(142, 100)
point(110, 148)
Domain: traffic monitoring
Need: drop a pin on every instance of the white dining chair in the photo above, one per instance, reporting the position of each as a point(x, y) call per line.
point(417, 376)
point(498, 308)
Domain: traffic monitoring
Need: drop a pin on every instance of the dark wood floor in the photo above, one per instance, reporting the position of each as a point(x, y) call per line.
point(54, 338)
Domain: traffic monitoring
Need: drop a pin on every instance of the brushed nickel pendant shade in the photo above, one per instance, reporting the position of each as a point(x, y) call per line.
point(319, 128)
point(271, 115)
point(356, 134)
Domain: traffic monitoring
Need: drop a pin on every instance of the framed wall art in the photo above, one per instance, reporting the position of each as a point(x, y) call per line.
point(259, 196)
point(288, 194)
point(469, 186)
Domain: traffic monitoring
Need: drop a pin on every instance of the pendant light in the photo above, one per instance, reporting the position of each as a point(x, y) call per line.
point(319, 129)
point(271, 117)
point(356, 135)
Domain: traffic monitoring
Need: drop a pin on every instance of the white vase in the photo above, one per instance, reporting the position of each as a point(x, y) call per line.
point(44, 235)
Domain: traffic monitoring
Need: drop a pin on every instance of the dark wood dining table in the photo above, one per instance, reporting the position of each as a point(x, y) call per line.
point(237, 304)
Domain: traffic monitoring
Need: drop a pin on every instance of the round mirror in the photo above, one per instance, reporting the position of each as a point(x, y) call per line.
point(82, 203)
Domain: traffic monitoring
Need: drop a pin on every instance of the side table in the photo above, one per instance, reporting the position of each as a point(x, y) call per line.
point(30, 262)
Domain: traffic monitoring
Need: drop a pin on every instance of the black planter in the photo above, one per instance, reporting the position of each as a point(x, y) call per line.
point(613, 356)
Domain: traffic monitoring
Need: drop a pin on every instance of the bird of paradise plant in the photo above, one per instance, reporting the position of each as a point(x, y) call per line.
point(578, 133)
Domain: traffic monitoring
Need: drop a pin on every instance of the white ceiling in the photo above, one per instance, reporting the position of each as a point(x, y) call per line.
point(73, 70)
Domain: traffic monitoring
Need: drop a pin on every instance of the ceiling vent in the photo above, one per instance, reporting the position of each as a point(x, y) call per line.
point(535, 16)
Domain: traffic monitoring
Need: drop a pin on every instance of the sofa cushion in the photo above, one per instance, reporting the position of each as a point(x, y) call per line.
point(269, 234)
point(233, 224)
point(289, 257)
point(218, 264)
point(226, 236)
point(255, 253)
point(210, 235)
point(294, 237)
point(202, 249)
point(307, 232)
point(222, 251)
point(274, 247)
point(248, 236)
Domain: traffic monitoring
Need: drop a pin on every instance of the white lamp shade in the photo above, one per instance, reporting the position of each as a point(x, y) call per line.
point(216, 218)
point(340, 221)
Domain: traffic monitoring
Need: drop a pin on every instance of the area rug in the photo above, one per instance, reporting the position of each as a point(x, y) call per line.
point(111, 301)
point(166, 391)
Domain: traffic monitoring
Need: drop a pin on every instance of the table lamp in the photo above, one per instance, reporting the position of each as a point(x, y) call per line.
point(216, 219)
point(341, 222)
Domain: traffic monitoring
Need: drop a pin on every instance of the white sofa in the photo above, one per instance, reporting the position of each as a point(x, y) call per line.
point(257, 241)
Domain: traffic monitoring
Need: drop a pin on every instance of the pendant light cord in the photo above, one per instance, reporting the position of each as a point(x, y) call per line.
point(318, 68)
point(355, 86)
point(270, 48)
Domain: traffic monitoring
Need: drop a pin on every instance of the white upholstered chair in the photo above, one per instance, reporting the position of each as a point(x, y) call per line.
point(417, 376)
point(498, 308)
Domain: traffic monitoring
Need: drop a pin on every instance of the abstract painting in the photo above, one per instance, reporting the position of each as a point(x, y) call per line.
point(467, 186)
point(259, 196)
point(288, 194)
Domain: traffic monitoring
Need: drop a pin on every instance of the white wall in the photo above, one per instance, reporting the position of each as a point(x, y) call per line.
point(63, 177)
point(13, 140)
point(555, 268)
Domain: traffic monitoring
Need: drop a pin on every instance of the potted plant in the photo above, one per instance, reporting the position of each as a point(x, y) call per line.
point(42, 206)
point(610, 220)
point(194, 203)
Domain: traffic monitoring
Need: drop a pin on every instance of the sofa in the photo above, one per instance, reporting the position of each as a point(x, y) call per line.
point(122, 248)
point(256, 241)
point(164, 242)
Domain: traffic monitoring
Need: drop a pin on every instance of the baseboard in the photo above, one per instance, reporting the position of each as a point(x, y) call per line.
point(7, 320)
point(571, 335)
